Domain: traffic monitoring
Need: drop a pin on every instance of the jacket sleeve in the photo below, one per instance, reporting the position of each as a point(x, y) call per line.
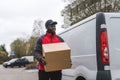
point(38, 49)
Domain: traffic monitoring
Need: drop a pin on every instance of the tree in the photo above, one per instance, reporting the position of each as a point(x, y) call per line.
point(80, 9)
point(38, 28)
point(31, 44)
point(3, 53)
point(19, 47)
point(3, 49)
point(23, 47)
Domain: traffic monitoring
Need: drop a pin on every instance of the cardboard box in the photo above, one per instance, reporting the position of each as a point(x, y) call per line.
point(57, 56)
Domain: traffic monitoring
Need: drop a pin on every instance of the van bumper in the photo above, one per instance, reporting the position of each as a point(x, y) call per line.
point(104, 75)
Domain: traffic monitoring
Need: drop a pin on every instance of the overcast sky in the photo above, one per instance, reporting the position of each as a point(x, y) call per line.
point(17, 17)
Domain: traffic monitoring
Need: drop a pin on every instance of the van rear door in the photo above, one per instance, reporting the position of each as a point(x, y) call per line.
point(114, 44)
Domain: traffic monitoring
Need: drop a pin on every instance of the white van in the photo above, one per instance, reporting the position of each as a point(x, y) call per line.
point(95, 48)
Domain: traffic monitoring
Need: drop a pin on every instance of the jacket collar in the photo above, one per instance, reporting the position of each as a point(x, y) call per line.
point(50, 35)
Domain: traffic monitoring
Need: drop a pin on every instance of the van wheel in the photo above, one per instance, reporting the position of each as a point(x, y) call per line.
point(80, 78)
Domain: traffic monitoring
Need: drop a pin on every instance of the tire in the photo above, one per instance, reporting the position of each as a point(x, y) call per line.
point(5, 66)
point(11, 66)
point(80, 78)
point(24, 65)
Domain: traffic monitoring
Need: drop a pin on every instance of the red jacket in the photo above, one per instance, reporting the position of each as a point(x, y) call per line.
point(45, 39)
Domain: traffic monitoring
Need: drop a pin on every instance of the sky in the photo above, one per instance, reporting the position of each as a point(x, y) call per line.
point(17, 17)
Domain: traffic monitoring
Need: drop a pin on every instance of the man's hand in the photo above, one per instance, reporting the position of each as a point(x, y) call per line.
point(43, 61)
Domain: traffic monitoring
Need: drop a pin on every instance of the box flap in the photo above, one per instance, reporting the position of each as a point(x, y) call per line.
point(55, 47)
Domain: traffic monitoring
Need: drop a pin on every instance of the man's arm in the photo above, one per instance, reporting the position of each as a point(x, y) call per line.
point(38, 49)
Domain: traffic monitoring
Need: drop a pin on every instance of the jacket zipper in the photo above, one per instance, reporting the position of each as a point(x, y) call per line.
point(51, 39)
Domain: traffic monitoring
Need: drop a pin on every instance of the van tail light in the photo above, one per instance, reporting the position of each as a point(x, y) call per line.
point(104, 46)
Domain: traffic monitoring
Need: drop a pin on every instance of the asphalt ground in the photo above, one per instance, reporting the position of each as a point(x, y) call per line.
point(17, 73)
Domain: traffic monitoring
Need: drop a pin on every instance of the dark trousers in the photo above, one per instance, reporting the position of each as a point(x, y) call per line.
point(55, 75)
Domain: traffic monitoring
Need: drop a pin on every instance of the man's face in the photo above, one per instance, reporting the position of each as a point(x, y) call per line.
point(52, 27)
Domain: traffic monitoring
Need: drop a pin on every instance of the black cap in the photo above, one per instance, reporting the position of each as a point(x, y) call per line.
point(50, 22)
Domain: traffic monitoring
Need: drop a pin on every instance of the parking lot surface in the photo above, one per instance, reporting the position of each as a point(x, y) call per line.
point(17, 74)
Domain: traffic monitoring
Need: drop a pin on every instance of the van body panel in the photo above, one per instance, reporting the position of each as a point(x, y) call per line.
point(83, 32)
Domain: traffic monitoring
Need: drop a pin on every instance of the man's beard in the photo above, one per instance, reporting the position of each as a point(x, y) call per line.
point(50, 31)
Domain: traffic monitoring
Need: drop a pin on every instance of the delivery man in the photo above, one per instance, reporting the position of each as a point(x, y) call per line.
point(49, 37)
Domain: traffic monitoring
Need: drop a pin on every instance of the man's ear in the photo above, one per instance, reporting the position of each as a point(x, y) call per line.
point(47, 28)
